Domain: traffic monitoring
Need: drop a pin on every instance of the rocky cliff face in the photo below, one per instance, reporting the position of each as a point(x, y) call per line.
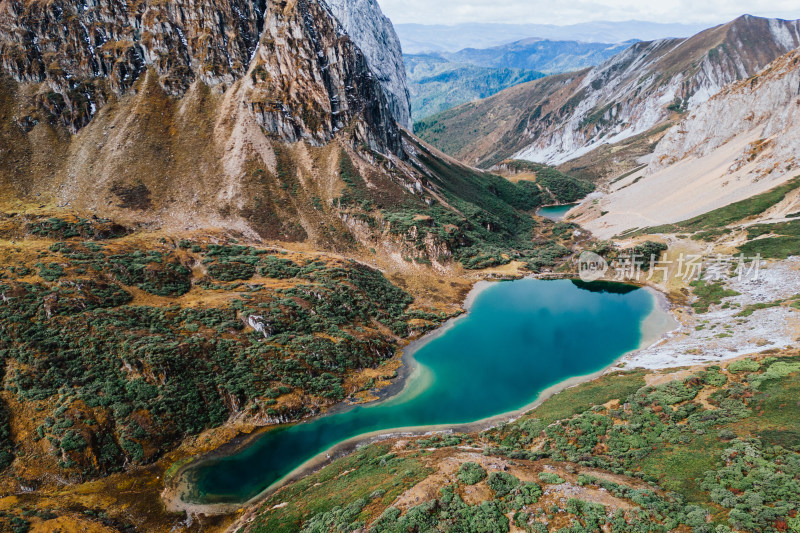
point(641, 87)
point(636, 91)
point(285, 136)
point(225, 113)
point(310, 80)
point(374, 34)
point(87, 53)
point(765, 106)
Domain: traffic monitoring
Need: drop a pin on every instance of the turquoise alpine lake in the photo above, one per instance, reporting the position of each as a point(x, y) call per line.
point(555, 212)
point(518, 339)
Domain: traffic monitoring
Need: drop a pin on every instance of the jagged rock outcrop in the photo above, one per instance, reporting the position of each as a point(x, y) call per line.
point(374, 34)
point(310, 80)
point(90, 52)
point(636, 91)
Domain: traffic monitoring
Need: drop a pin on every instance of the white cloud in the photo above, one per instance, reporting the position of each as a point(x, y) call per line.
point(576, 11)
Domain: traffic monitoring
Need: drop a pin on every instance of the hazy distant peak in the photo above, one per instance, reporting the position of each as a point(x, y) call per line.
point(418, 38)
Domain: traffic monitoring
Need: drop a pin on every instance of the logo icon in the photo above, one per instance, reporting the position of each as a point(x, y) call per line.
point(591, 267)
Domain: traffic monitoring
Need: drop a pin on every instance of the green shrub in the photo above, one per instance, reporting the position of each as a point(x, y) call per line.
point(755, 484)
point(56, 228)
point(546, 256)
point(776, 370)
point(502, 483)
point(471, 473)
point(162, 373)
point(550, 478)
point(709, 294)
point(278, 268)
point(6, 442)
point(19, 525)
point(744, 365)
point(151, 273)
point(561, 188)
point(50, 272)
point(446, 513)
point(648, 251)
point(525, 494)
point(337, 519)
point(772, 247)
point(231, 271)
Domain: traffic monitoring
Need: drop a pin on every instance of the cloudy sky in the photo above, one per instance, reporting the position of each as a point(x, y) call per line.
point(562, 12)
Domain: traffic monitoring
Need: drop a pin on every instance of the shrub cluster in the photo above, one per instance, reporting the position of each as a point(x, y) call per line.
point(118, 384)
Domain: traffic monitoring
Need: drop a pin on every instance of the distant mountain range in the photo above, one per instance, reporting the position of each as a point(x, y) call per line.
point(420, 38)
point(437, 84)
point(439, 81)
point(544, 55)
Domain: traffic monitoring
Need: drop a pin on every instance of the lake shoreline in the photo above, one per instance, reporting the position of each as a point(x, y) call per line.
point(408, 363)
point(174, 502)
point(172, 493)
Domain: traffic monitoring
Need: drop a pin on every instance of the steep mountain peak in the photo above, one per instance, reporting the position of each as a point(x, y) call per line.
point(764, 35)
point(308, 81)
point(374, 34)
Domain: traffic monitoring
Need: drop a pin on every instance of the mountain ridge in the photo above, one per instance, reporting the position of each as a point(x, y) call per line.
point(738, 144)
point(647, 85)
point(440, 81)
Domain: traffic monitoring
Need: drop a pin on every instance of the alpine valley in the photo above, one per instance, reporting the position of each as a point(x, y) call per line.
point(242, 290)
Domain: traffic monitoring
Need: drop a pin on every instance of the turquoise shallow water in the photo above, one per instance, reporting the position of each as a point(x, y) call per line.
point(518, 339)
point(555, 212)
